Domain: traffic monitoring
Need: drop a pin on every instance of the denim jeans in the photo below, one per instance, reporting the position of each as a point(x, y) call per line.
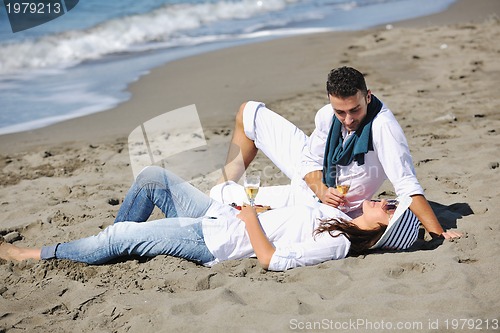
point(179, 234)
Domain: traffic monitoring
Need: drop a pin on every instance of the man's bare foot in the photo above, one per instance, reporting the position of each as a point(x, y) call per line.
point(11, 252)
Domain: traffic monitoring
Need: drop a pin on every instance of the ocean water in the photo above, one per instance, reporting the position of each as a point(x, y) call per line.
point(83, 61)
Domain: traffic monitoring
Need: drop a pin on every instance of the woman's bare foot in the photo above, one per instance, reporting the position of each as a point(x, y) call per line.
point(14, 253)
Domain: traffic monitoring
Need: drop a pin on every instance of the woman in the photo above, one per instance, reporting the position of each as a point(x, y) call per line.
point(202, 230)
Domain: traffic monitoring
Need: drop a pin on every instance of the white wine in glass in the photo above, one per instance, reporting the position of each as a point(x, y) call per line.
point(252, 184)
point(343, 179)
point(343, 189)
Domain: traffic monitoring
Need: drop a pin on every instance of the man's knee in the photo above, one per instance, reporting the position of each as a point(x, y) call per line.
point(239, 115)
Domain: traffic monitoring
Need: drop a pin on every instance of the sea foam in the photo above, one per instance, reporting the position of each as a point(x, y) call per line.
point(171, 25)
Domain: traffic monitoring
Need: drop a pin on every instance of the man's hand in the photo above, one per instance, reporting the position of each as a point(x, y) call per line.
point(330, 196)
point(451, 234)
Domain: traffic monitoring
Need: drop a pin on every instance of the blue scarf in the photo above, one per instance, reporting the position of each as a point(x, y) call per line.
point(356, 146)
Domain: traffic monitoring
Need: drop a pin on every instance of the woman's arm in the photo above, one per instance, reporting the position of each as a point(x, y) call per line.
point(262, 247)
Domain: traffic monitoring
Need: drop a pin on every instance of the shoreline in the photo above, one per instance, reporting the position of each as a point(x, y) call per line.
point(169, 86)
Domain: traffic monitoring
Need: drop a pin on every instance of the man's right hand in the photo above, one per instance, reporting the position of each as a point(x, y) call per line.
point(330, 196)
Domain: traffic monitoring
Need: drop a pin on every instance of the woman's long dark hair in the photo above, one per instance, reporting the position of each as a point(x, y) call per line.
point(361, 240)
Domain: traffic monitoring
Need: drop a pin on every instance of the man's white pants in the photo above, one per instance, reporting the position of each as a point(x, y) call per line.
point(282, 142)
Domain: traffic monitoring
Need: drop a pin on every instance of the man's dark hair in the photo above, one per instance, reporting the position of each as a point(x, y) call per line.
point(345, 82)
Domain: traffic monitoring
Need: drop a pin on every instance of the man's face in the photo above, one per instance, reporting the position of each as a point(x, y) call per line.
point(351, 110)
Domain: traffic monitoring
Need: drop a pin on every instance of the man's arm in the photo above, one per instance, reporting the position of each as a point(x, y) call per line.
point(394, 155)
point(327, 195)
point(421, 208)
point(312, 159)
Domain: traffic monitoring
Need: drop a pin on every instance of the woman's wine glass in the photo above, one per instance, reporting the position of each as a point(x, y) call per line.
point(252, 184)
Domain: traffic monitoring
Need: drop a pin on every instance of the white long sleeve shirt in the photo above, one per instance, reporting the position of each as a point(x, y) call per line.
point(390, 159)
point(289, 229)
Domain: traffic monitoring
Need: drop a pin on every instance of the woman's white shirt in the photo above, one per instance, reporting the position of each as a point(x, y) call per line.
point(290, 229)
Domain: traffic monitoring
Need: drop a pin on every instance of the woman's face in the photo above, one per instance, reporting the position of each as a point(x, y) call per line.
point(375, 213)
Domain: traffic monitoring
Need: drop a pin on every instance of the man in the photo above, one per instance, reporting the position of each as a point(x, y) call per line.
point(356, 130)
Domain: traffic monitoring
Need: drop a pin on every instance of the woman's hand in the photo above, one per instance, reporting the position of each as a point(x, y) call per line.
point(247, 213)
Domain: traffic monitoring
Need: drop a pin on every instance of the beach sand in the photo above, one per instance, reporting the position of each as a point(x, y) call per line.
point(437, 74)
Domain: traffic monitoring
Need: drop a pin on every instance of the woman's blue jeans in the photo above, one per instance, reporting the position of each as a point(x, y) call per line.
point(179, 234)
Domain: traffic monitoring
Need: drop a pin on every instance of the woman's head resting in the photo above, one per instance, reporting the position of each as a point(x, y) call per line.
point(402, 226)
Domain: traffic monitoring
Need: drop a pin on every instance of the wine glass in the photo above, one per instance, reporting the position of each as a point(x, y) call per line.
point(343, 180)
point(252, 184)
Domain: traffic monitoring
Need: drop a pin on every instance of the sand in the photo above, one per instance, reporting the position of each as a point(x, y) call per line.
point(438, 74)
